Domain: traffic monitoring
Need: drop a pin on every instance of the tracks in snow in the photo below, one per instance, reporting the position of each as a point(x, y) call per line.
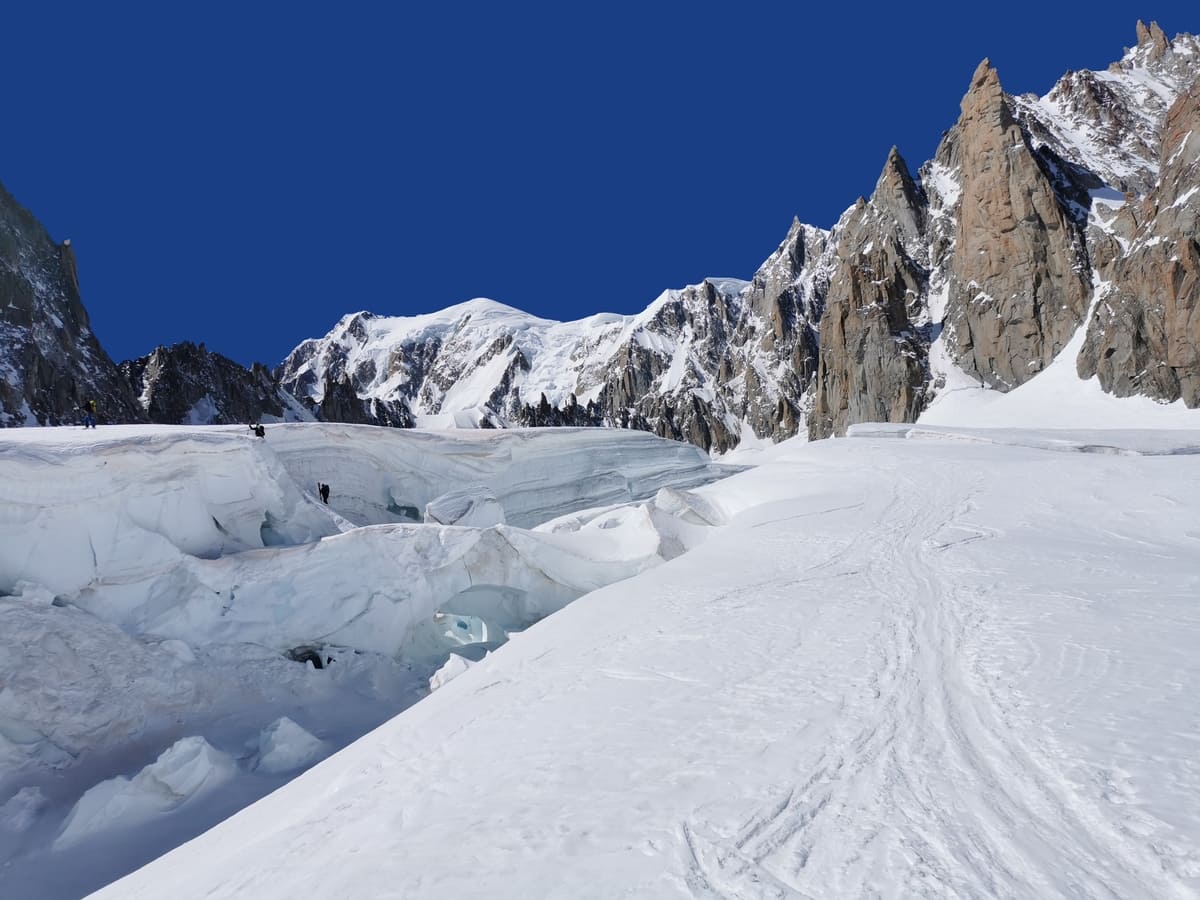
point(923, 785)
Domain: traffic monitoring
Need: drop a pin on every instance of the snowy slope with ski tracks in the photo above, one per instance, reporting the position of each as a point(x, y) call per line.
point(923, 662)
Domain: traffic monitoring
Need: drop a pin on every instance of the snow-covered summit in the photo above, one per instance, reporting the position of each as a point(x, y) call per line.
point(1108, 122)
point(691, 365)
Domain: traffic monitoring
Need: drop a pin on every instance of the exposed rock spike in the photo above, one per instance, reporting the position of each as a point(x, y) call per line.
point(872, 358)
point(897, 194)
point(1017, 279)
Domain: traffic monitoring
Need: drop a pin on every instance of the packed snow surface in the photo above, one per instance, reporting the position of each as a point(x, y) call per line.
point(189, 768)
point(917, 662)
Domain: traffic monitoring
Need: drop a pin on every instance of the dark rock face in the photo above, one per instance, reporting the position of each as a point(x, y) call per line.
point(51, 363)
point(647, 388)
point(188, 384)
point(1144, 337)
point(784, 304)
point(341, 403)
point(571, 414)
point(872, 361)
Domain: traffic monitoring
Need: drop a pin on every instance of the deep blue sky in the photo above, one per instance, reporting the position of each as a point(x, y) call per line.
point(245, 173)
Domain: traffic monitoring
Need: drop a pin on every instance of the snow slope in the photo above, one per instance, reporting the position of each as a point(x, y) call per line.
point(1056, 398)
point(960, 666)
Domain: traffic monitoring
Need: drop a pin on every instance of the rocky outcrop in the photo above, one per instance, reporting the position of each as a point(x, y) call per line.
point(51, 362)
point(872, 359)
point(1144, 336)
point(341, 403)
point(190, 385)
point(784, 303)
point(571, 414)
point(666, 377)
point(1018, 277)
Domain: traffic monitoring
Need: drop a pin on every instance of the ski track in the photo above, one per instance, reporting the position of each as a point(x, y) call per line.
point(962, 802)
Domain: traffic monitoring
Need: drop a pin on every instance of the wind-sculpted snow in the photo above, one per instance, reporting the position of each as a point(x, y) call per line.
point(899, 668)
point(187, 587)
point(188, 768)
point(389, 475)
point(402, 576)
point(117, 510)
point(124, 507)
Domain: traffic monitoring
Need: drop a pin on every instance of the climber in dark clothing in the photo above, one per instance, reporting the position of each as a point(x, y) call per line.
point(89, 414)
point(323, 490)
point(258, 430)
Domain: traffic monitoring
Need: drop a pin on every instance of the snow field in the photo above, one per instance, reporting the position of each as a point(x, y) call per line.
point(901, 668)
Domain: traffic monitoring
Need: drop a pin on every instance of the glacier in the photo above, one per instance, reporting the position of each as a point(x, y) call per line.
point(917, 661)
point(922, 660)
point(182, 594)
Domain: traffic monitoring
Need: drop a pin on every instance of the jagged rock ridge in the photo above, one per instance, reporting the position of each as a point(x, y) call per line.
point(190, 385)
point(51, 362)
point(998, 244)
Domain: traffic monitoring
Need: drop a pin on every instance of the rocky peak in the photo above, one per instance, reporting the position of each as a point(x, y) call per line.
point(898, 195)
point(985, 100)
point(1152, 40)
point(872, 357)
point(51, 362)
point(777, 292)
point(1018, 285)
point(188, 384)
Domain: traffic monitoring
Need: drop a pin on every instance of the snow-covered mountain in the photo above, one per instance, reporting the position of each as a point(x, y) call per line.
point(698, 364)
point(982, 266)
point(1109, 123)
point(1037, 219)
